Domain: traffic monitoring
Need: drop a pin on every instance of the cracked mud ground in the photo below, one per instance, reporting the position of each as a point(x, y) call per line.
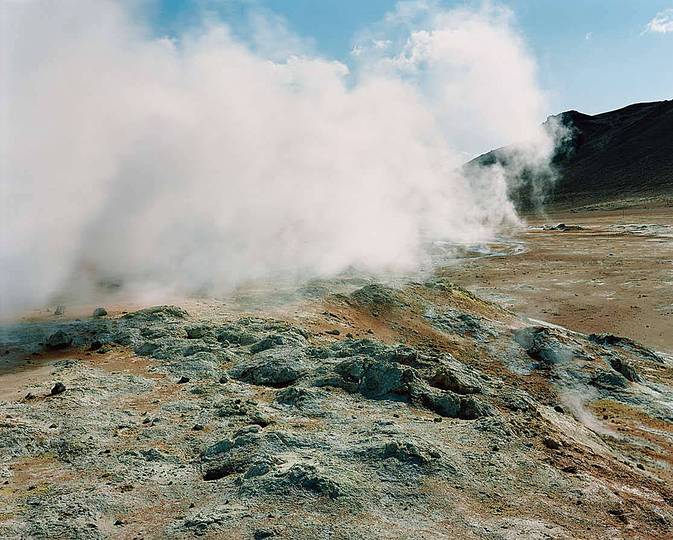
point(420, 411)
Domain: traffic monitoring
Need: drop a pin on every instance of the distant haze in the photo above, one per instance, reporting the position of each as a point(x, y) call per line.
point(200, 162)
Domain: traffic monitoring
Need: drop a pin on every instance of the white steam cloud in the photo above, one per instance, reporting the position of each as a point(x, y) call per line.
point(203, 161)
point(662, 23)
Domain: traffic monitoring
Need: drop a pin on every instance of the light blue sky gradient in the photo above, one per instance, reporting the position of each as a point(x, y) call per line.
point(593, 55)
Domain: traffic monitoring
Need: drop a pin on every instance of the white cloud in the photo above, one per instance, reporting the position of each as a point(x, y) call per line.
point(662, 23)
point(472, 67)
point(381, 43)
point(588, 36)
point(202, 162)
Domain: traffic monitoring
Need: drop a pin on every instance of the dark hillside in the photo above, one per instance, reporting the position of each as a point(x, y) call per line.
point(617, 155)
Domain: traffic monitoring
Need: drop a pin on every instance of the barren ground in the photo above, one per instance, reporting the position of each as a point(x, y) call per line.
point(613, 275)
point(360, 410)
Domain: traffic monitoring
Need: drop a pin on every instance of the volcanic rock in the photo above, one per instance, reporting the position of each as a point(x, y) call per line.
point(58, 388)
point(59, 340)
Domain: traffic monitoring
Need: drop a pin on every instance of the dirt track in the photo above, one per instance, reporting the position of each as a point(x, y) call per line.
point(610, 276)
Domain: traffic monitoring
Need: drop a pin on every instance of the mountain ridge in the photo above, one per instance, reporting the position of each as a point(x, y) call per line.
point(616, 155)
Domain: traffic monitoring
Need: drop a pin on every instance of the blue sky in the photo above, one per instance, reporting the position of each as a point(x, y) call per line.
point(593, 55)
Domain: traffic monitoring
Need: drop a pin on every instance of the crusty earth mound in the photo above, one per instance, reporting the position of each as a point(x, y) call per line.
point(421, 412)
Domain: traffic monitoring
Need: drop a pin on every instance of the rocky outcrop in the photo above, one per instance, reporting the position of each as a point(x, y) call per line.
point(163, 423)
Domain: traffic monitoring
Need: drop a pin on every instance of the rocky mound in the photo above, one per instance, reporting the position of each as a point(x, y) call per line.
point(415, 413)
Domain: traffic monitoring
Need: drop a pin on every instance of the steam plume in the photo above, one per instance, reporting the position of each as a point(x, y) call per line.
point(203, 160)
